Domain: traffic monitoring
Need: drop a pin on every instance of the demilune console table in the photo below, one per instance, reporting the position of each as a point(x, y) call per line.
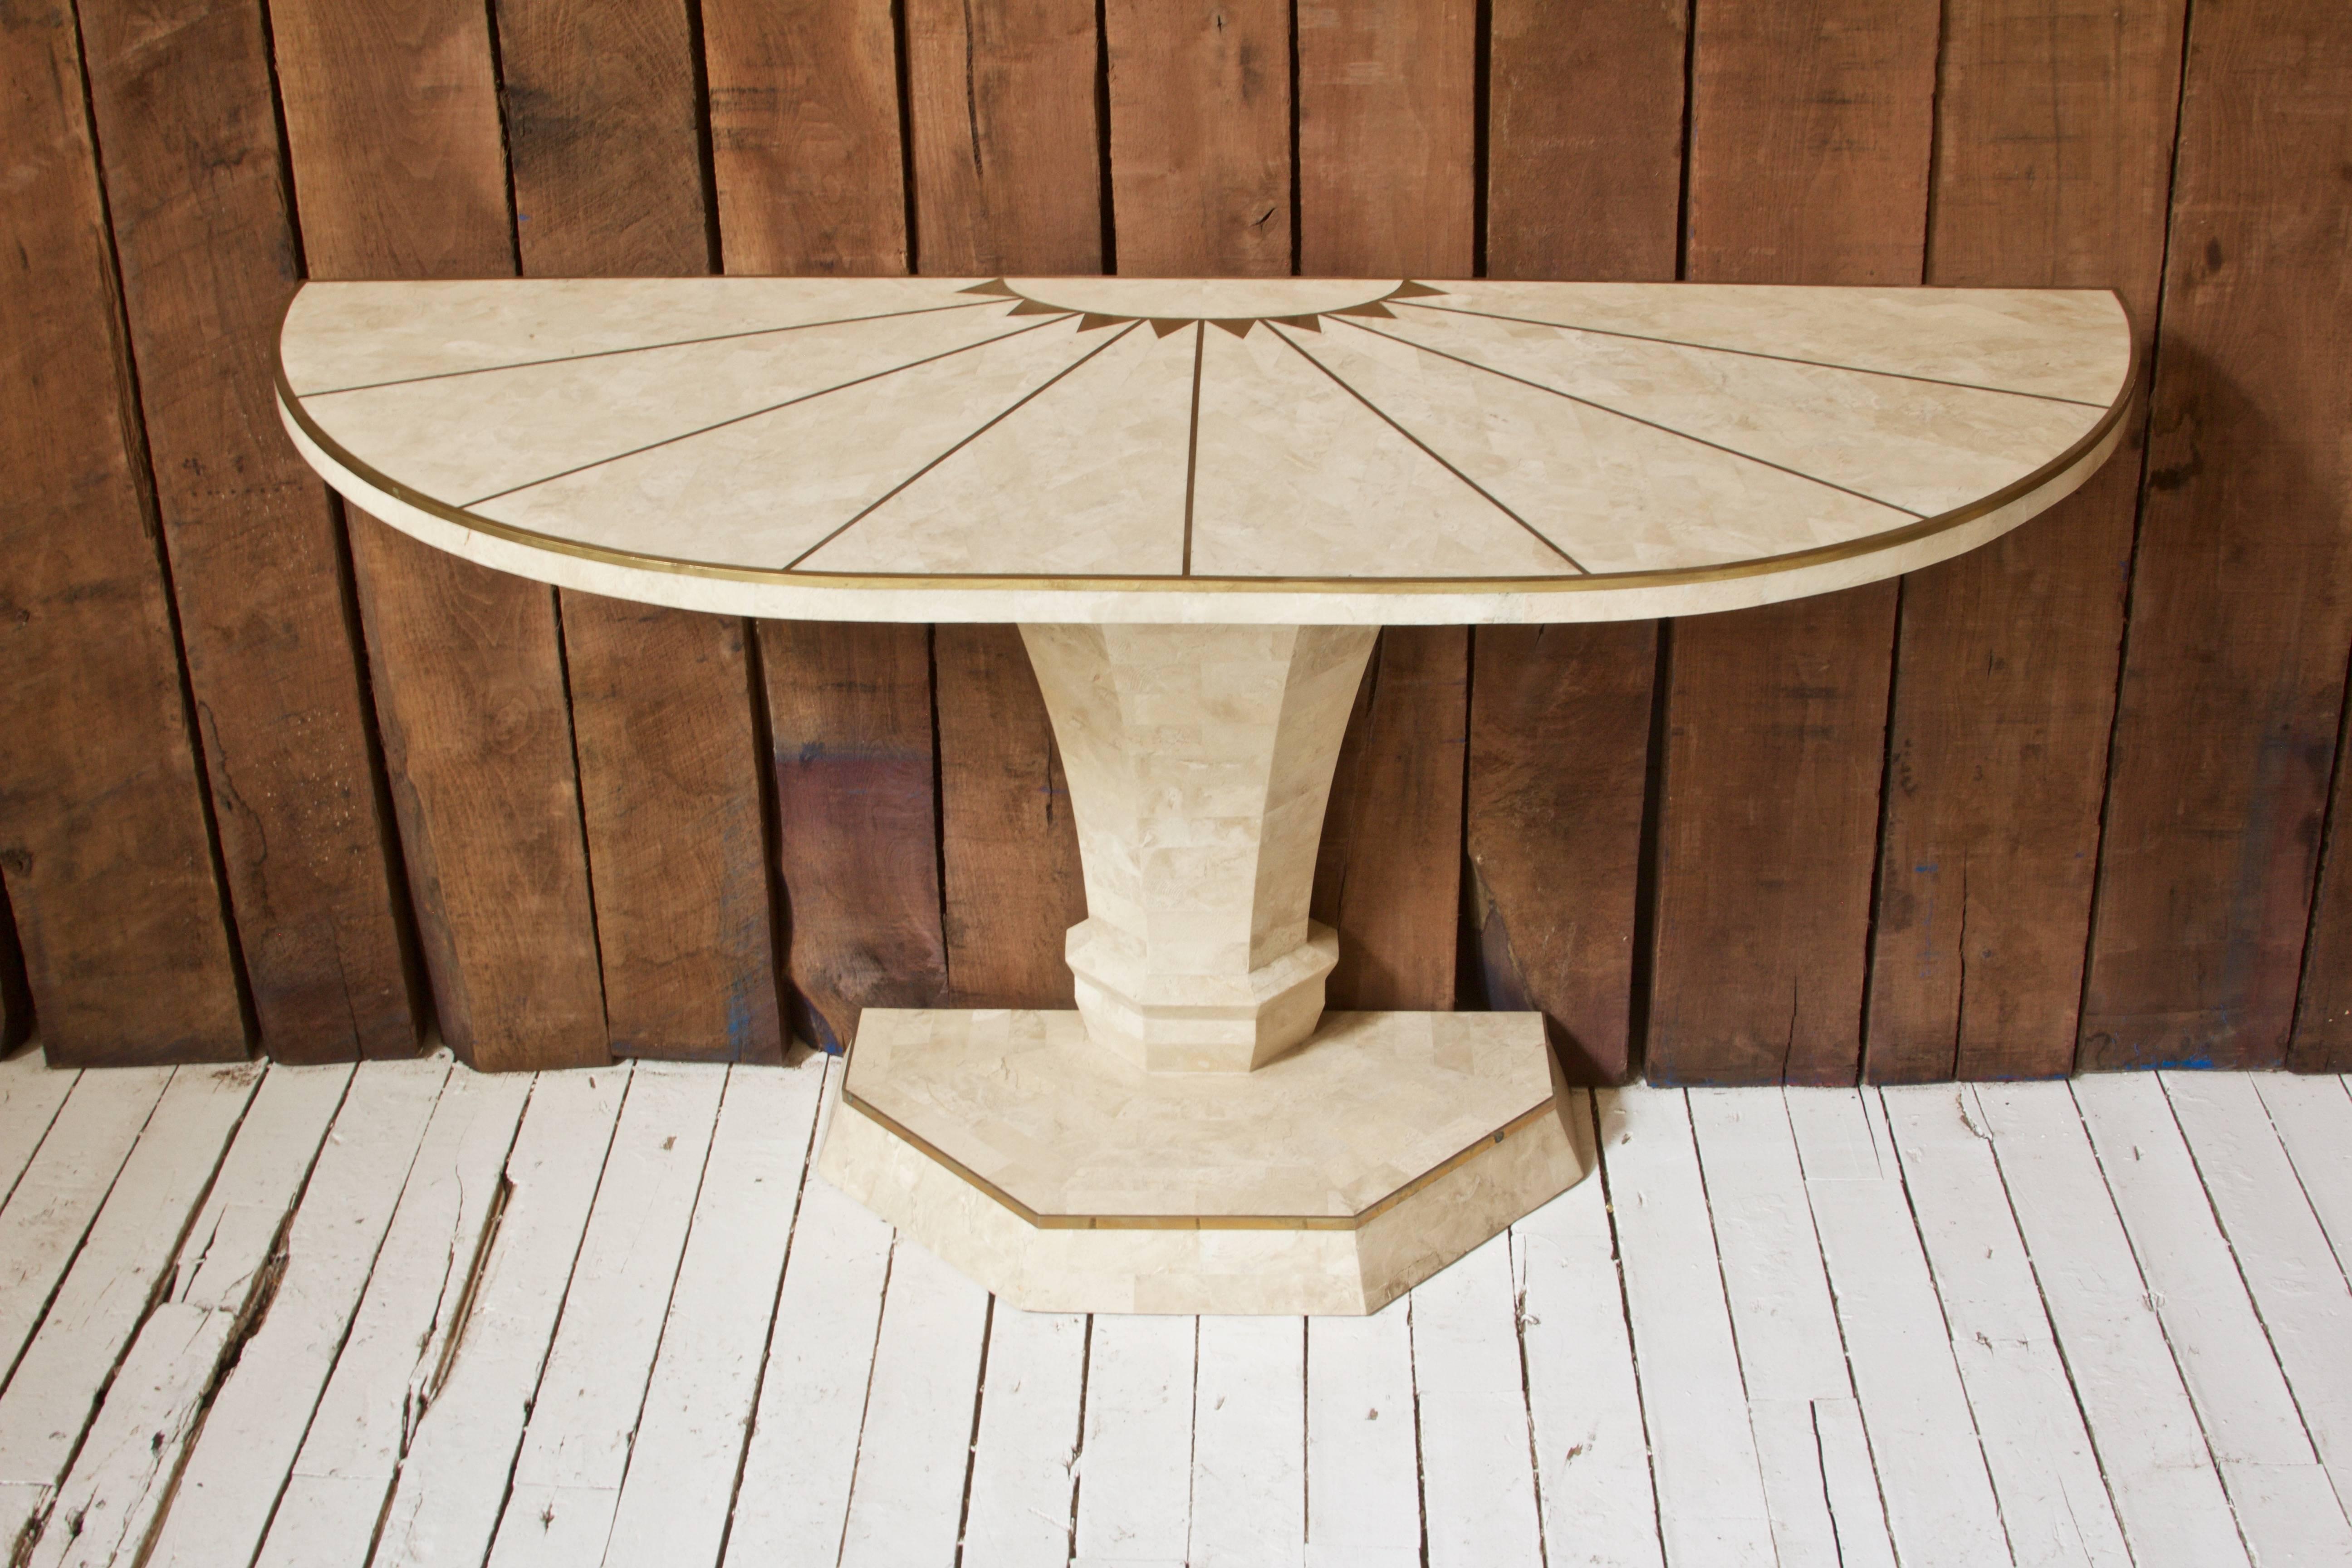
point(1200, 499)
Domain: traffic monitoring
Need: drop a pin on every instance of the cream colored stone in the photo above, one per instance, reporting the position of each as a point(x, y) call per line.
point(1375, 1100)
point(1199, 760)
point(1056, 472)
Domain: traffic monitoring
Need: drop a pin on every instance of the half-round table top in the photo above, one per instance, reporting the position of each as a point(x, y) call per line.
point(1262, 451)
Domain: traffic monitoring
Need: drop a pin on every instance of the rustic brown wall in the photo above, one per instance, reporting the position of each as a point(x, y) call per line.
point(272, 777)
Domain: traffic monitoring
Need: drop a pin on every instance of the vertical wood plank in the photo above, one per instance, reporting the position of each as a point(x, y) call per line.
point(182, 103)
point(849, 719)
point(392, 119)
point(2242, 602)
point(1809, 129)
point(1584, 140)
point(1009, 846)
point(1387, 137)
point(104, 836)
point(1583, 181)
point(804, 137)
point(1200, 136)
point(602, 131)
point(1387, 133)
point(1000, 114)
point(1007, 179)
point(1389, 877)
point(2053, 164)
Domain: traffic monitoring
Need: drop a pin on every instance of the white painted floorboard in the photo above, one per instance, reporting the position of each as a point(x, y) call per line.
point(405, 1315)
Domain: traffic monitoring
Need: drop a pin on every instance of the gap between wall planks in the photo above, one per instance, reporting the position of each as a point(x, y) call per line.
point(2006, 657)
point(1583, 179)
point(105, 841)
point(392, 125)
point(186, 118)
point(1808, 164)
point(604, 141)
point(2233, 677)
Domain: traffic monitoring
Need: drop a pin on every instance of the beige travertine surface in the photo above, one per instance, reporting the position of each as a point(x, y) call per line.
point(1199, 760)
point(1274, 451)
point(1393, 1088)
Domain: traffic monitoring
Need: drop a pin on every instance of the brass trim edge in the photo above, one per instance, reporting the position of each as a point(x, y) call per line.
point(290, 402)
point(1525, 1119)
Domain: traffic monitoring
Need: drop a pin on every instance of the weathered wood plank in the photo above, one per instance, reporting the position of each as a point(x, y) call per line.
point(1389, 877)
point(232, 1264)
point(1477, 1447)
point(602, 128)
point(16, 996)
point(255, 1425)
point(393, 122)
point(1000, 114)
point(461, 1451)
point(1135, 1489)
point(1584, 135)
point(1200, 136)
point(1387, 139)
point(1809, 132)
point(183, 105)
point(1559, 743)
point(804, 137)
point(388, 1369)
point(1584, 1401)
point(699, 1402)
point(1363, 1446)
point(849, 721)
point(105, 836)
point(1024, 1499)
point(1583, 181)
point(2054, 142)
point(1009, 844)
point(915, 1445)
point(1249, 1442)
point(2242, 596)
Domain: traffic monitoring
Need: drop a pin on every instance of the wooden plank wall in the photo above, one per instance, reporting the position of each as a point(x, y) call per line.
point(272, 777)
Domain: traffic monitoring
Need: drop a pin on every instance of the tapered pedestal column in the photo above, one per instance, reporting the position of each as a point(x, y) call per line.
point(1199, 1136)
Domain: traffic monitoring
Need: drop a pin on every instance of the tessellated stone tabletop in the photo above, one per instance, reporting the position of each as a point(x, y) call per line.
point(1200, 499)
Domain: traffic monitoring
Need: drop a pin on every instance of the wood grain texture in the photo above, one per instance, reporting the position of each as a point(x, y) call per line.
point(1583, 181)
point(2054, 165)
point(849, 717)
point(2242, 603)
point(1200, 136)
point(1000, 111)
point(1389, 878)
point(391, 121)
point(1560, 741)
point(1009, 844)
point(1386, 116)
point(804, 136)
point(182, 96)
point(1387, 138)
point(1809, 132)
point(104, 837)
point(1584, 140)
point(602, 135)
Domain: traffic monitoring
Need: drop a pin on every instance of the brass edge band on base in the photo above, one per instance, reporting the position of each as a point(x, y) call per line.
point(1022, 1211)
point(290, 401)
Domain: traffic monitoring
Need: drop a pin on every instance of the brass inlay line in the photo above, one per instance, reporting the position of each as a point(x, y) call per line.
point(1022, 1211)
point(1756, 353)
point(1669, 577)
point(758, 412)
point(1017, 405)
point(641, 348)
point(1637, 419)
point(1425, 448)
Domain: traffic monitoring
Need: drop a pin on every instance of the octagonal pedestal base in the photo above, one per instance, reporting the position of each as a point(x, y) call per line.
point(1065, 1179)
